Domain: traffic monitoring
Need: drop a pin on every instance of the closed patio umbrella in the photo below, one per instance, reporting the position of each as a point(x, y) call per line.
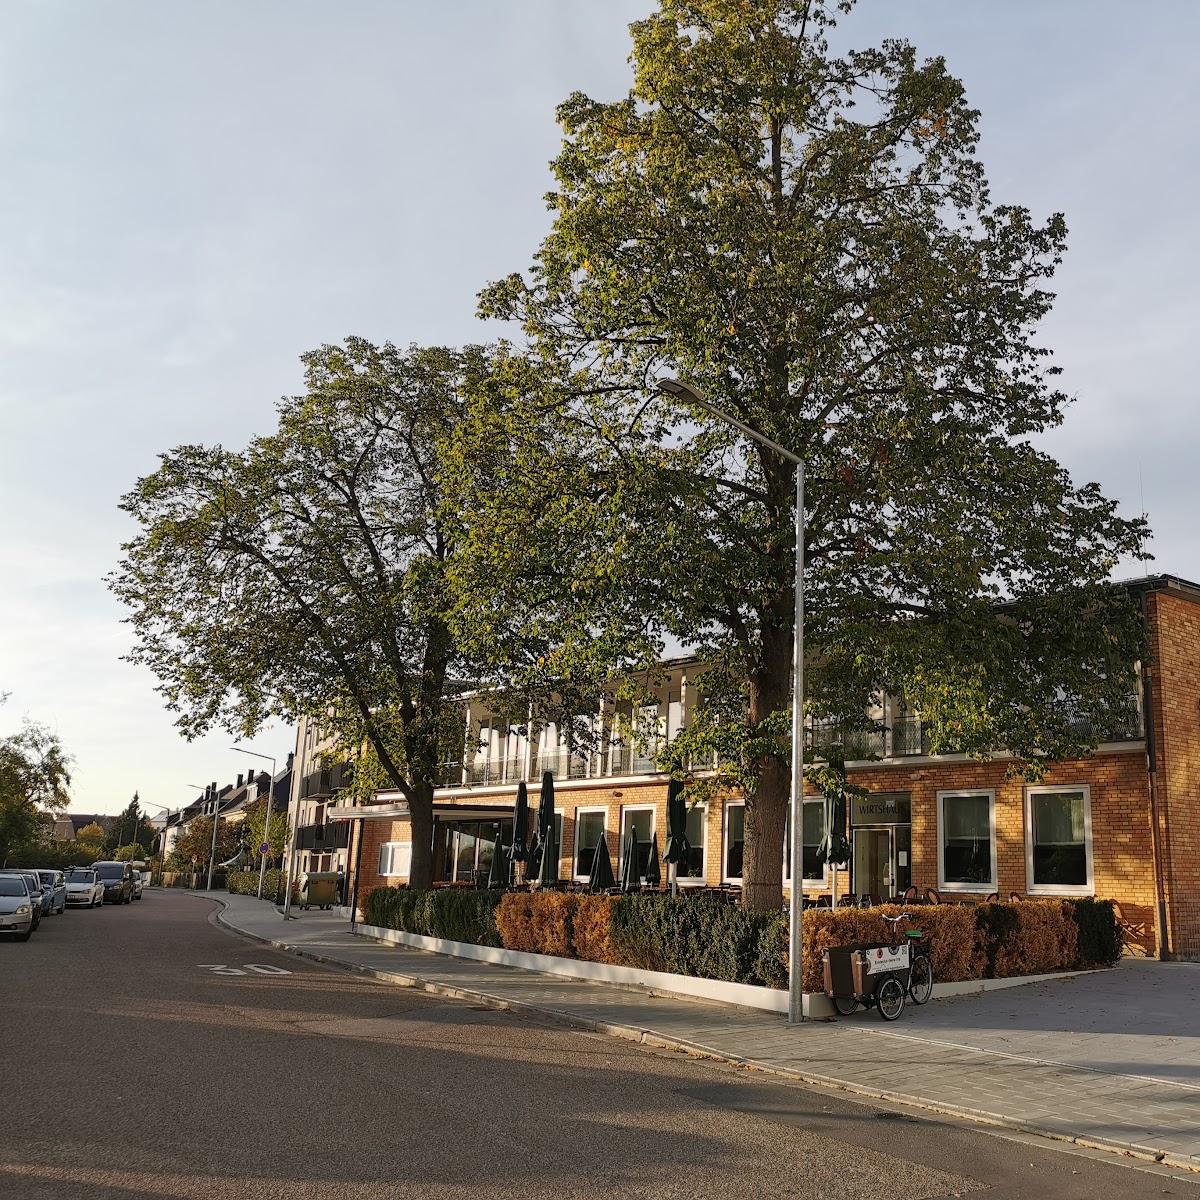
point(498, 872)
point(519, 850)
point(653, 874)
point(601, 878)
point(548, 864)
point(629, 871)
point(678, 848)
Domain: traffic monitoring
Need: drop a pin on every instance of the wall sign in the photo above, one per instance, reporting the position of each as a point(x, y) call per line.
point(881, 808)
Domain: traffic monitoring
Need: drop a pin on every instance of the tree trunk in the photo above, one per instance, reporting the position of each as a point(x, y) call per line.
point(762, 864)
point(420, 807)
point(766, 806)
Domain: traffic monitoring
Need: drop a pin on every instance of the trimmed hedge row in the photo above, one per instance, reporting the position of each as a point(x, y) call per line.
point(457, 914)
point(710, 939)
point(245, 883)
point(984, 941)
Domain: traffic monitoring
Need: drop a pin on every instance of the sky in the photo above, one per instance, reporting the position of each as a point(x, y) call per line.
point(195, 193)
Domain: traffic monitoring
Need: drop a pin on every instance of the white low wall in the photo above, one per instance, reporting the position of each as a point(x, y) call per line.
point(816, 1004)
point(744, 994)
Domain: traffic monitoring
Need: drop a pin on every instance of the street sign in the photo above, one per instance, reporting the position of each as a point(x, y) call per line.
point(264, 848)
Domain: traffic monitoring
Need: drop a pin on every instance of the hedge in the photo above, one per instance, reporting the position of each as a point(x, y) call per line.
point(711, 939)
point(456, 914)
point(984, 941)
point(245, 883)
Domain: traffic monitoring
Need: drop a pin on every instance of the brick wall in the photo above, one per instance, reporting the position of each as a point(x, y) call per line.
point(1174, 628)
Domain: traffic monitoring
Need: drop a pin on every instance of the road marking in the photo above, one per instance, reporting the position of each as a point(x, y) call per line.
point(257, 968)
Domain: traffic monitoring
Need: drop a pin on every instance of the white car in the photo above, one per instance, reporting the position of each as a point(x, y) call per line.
point(16, 907)
point(85, 889)
point(138, 883)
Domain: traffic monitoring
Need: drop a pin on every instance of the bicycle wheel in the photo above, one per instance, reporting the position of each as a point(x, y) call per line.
point(846, 1005)
point(920, 981)
point(890, 998)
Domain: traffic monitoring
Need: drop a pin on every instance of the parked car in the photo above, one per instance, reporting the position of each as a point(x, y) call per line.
point(85, 889)
point(137, 884)
point(117, 878)
point(55, 886)
point(33, 887)
point(16, 907)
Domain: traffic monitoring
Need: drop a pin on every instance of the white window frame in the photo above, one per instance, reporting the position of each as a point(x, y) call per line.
point(814, 884)
point(702, 878)
point(1046, 889)
point(390, 848)
point(583, 811)
point(974, 888)
point(631, 808)
point(734, 879)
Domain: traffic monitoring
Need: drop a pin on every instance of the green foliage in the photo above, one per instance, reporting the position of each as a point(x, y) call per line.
point(245, 883)
point(1100, 937)
point(690, 936)
point(34, 781)
point(254, 827)
point(994, 924)
point(307, 573)
point(129, 853)
point(456, 914)
point(92, 834)
point(129, 825)
point(809, 238)
point(192, 848)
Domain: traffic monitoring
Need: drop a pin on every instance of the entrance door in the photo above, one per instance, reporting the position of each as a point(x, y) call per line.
point(873, 873)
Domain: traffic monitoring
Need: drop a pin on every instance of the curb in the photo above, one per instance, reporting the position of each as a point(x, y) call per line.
point(658, 1041)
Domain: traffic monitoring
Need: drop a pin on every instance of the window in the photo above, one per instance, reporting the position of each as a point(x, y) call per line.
point(693, 868)
point(641, 820)
point(812, 833)
point(589, 825)
point(967, 840)
point(735, 840)
point(1058, 840)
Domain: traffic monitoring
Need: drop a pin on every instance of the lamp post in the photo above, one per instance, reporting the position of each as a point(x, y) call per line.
point(162, 837)
point(262, 866)
point(683, 391)
point(216, 816)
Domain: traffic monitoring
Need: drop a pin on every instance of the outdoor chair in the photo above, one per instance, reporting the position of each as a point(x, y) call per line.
point(1134, 932)
point(1013, 897)
point(847, 901)
point(933, 896)
point(992, 898)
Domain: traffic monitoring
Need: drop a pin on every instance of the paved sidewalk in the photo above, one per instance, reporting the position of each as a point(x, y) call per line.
point(1110, 1059)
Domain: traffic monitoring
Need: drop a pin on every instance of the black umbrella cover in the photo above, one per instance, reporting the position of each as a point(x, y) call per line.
point(601, 878)
point(519, 850)
point(629, 871)
point(678, 850)
point(653, 874)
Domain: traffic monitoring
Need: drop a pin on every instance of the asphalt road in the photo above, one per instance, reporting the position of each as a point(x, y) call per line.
point(146, 1068)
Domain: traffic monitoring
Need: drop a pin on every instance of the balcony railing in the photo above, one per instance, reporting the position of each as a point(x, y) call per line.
point(332, 835)
point(562, 764)
point(326, 781)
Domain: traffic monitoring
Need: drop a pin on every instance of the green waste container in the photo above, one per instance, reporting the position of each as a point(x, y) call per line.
point(318, 889)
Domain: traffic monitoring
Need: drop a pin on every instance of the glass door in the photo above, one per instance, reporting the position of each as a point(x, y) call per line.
point(874, 873)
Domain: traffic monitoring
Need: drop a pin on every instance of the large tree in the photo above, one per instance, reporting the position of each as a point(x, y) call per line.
point(809, 238)
point(34, 780)
point(305, 575)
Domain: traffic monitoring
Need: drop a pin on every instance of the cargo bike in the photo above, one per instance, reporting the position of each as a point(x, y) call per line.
point(880, 976)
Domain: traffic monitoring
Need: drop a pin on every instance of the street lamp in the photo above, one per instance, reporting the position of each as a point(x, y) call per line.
point(162, 837)
point(683, 391)
point(262, 865)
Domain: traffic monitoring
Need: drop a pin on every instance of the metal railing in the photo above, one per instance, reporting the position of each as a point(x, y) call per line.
point(326, 781)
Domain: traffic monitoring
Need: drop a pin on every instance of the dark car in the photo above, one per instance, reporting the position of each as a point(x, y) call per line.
point(117, 878)
point(36, 895)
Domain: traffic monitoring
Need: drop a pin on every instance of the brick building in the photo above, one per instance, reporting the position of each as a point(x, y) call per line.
point(1122, 823)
